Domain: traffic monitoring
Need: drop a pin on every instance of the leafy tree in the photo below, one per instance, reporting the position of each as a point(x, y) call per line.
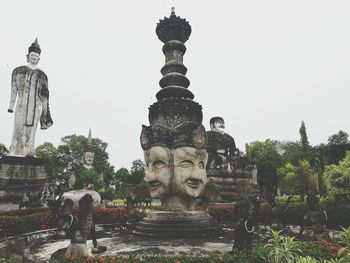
point(55, 168)
point(291, 151)
point(268, 159)
point(339, 138)
point(89, 176)
point(335, 150)
point(137, 172)
point(338, 176)
point(71, 152)
point(304, 141)
point(3, 150)
point(297, 179)
point(121, 175)
point(68, 155)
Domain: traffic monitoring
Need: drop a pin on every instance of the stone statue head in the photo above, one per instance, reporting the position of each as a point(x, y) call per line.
point(34, 52)
point(217, 124)
point(179, 171)
point(88, 155)
point(88, 158)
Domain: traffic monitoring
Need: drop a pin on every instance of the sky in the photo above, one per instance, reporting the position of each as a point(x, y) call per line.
point(264, 66)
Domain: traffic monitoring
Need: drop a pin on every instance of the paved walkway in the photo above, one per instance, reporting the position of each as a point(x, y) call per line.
point(121, 243)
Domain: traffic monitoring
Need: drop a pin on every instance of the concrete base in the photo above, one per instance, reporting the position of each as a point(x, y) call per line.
point(19, 175)
point(177, 224)
point(125, 244)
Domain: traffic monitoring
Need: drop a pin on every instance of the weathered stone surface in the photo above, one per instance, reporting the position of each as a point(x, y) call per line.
point(29, 86)
point(19, 175)
point(175, 143)
point(76, 195)
point(178, 224)
point(229, 171)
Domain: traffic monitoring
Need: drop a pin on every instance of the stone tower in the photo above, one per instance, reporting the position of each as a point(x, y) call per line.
point(174, 144)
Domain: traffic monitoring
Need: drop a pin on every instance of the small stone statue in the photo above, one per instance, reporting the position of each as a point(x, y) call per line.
point(315, 218)
point(78, 228)
point(30, 86)
point(248, 212)
point(221, 146)
point(88, 155)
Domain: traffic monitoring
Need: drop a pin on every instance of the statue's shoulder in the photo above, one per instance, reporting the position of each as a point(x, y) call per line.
point(228, 136)
point(42, 73)
point(20, 70)
point(211, 135)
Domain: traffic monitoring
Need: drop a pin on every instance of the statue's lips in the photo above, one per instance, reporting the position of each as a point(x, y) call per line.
point(153, 185)
point(194, 183)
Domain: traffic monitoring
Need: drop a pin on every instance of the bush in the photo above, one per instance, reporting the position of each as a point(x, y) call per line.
point(256, 255)
point(23, 212)
point(17, 225)
point(222, 213)
point(294, 214)
point(319, 249)
point(282, 249)
point(14, 224)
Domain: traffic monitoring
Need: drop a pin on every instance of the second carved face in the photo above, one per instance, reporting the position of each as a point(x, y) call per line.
point(176, 172)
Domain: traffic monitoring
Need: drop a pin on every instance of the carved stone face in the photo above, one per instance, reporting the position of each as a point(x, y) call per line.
point(158, 176)
point(189, 168)
point(218, 126)
point(33, 58)
point(88, 158)
point(180, 172)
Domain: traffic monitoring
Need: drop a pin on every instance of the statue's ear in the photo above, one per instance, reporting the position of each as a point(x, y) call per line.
point(145, 137)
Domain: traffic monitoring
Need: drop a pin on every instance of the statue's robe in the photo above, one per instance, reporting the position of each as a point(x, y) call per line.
point(220, 147)
point(30, 88)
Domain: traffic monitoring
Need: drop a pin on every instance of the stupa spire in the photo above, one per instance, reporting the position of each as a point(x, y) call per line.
point(89, 139)
point(174, 32)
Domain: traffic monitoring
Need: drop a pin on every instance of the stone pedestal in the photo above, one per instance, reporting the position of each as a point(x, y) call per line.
point(181, 224)
point(19, 175)
point(240, 179)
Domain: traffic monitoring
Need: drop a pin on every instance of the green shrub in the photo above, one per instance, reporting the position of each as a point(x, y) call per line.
point(294, 214)
point(282, 249)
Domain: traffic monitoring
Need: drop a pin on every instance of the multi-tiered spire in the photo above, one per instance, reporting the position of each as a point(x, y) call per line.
point(175, 119)
point(174, 32)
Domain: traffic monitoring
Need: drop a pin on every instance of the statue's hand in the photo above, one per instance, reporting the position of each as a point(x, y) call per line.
point(10, 111)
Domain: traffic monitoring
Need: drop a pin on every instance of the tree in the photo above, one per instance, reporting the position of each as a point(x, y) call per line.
point(55, 168)
point(3, 150)
point(68, 155)
point(304, 141)
point(292, 152)
point(71, 151)
point(121, 175)
point(137, 172)
point(298, 179)
point(335, 150)
point(338, 176)
point(339, 138)
point(268, 160)
point(289, 182)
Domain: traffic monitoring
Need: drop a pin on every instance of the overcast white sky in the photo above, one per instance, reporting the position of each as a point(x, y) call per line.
point(262, 65)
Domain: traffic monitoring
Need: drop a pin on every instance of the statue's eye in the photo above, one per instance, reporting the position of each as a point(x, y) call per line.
point(201, 165)
point(159, 164)
point(186, 164)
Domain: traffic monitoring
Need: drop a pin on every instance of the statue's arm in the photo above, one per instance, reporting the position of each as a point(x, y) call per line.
point(14, 90)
